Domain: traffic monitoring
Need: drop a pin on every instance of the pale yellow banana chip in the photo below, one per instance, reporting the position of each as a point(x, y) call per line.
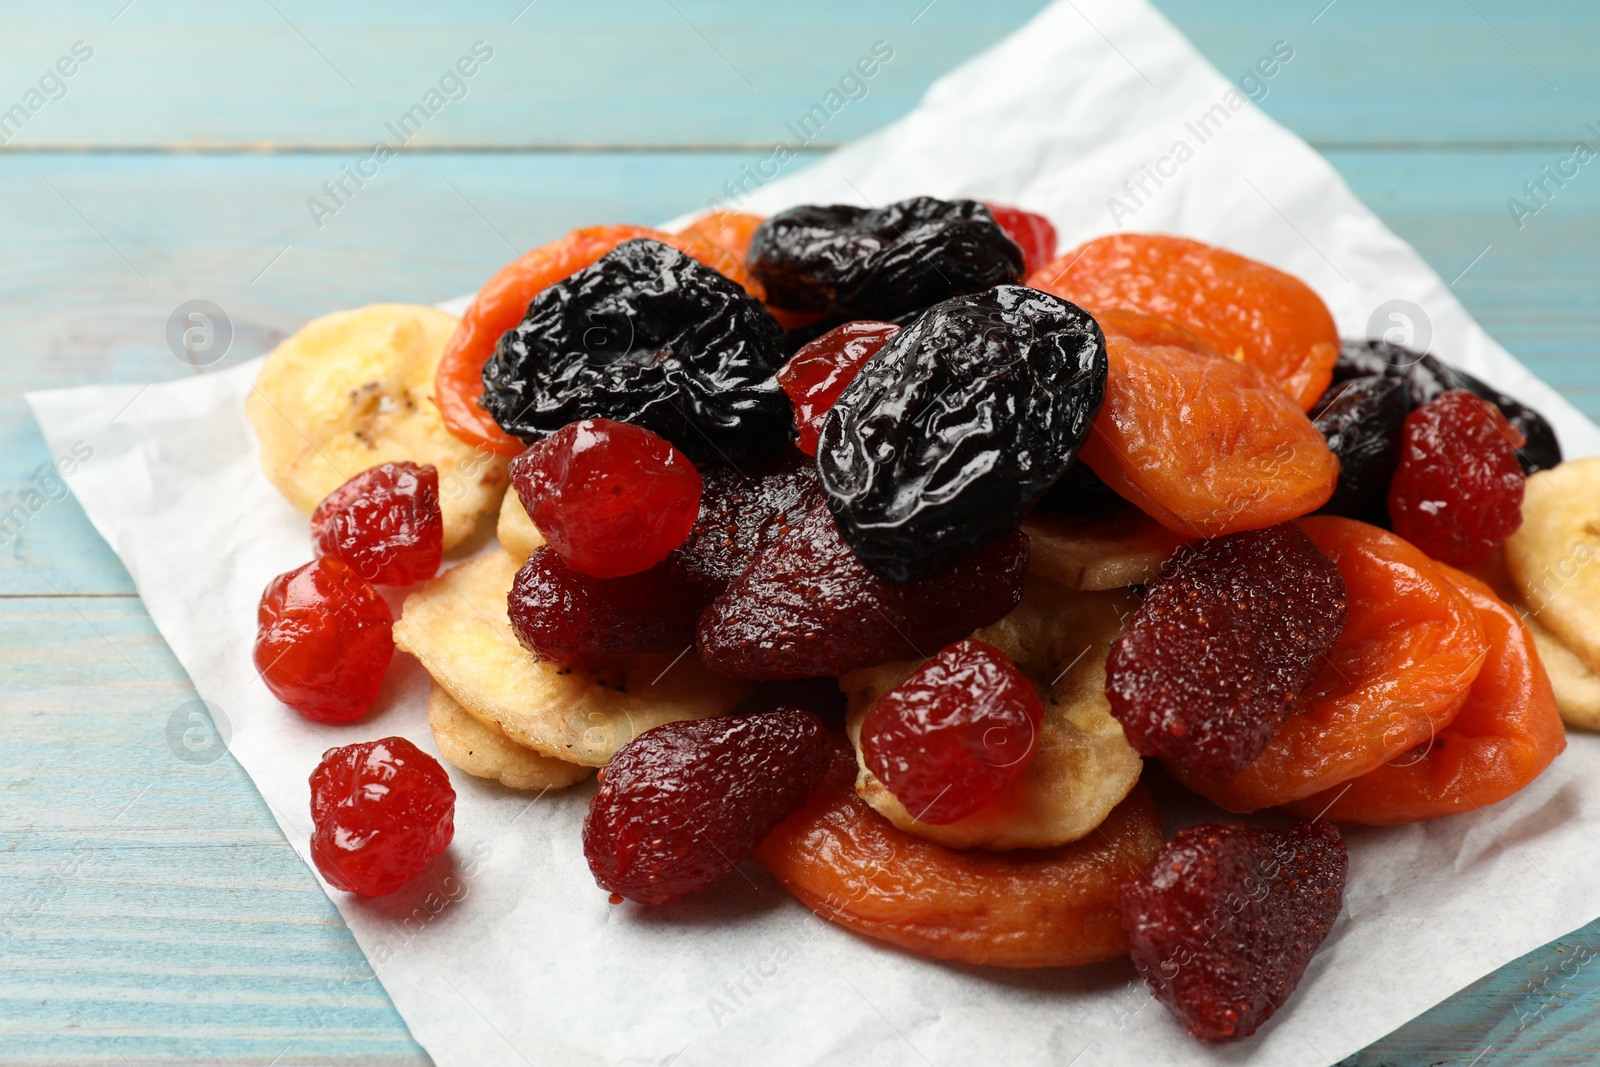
point(1555, 557)
point(1083, 766)
point(484, 751)
point(1577, 687)
point(354, 389)
point(517, 533)
point(456, 625)
point(1123, 548)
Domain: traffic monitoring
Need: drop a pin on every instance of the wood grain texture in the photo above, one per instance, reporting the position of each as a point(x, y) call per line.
point(150, 912)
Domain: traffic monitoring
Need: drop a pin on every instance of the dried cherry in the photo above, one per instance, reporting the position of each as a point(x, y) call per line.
point(1363, 419)
point(955, 734)
point(882, 263)
point(816, 375)
point(1224, 923)
point(1457, 493)
point(1023, 908)
point(683, 804)
point(323, 640)
point(381, 810)
point(806, 607)
point(610, 498)
point(646, 335)
point(564, 615)
point(964, 419)
point(385, 522)
point(1247, 309)
point(1032, 233)
point(1228, 636)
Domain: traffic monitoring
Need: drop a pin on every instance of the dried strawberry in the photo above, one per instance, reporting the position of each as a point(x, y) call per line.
point(1457, 493)
point(816, 375)
point(683, 804)
point(1226, 919)
point(382, 810)
point(807, 607)
point(954, 734)
point(562, 615)
point(323, 640)
point(740, 510)
point(1227, 637)
point(385, 522)
point(610, 497)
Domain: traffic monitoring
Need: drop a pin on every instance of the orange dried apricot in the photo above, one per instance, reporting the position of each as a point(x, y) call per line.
point(1400, 672)
point(1249, 310)
point(1505, 735)
point(1201, 443)
point(730, 230)
point(1049, 908)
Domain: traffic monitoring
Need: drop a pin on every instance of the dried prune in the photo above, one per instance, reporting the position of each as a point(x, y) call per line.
point(1233, 630)
point(953, 735)
point(806, 606)
point(816, 375)
point(950, 433)
point(381, 810)
point(882, 263)
point(1226, 919)
point(560, 614)
point(1362, 419)
point(1457, 493)
point(683, 804)
point(385, 522)
point(323, 640)
point(650, 336)
point(740, 511)
point(611, 498)
point(1366, 357)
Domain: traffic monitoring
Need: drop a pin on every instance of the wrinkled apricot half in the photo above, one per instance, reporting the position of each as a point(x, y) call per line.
point(1050, 908)
point(504, 300)
point(729, 230)
point(1201, 443)
point(1505, 735)
point(1400, 672)
point(1249, 310)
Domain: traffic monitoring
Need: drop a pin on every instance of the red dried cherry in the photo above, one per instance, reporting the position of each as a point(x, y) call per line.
point(1457, 493)
point(1032, 233)
point(1227, 637)
point(955, 733)
point(1226, 919)
point(382, 809)
point(385, 522)
point(681, 805)
point(816, 375)
point(562, 615)
point(610, 497)
point(323, 640)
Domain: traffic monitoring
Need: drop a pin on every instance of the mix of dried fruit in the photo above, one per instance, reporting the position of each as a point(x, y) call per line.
point(835, 546)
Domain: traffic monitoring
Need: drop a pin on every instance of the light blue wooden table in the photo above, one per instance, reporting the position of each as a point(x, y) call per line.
point(150, 912)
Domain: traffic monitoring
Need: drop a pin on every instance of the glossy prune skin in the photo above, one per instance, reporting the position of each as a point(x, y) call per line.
point(883, 263)
point(947, 437)
point(1363, 418)
point(1428, 378)
point(649, 336)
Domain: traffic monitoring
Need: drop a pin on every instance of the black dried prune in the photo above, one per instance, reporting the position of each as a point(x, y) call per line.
point(951, 432)
point(1364, 358)
point(883, 263)
point(650, 336)
point(1362, 418)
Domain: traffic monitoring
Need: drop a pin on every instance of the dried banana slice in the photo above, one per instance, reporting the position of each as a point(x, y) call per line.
point(484, 751)
point(1577, 687)
point(1083, 767)
point(1555, 557)
point(517, 533)
point(457, 626)
point(354, 389)
point(1124, 548)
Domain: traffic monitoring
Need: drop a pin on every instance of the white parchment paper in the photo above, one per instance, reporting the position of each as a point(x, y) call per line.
point(505, 952)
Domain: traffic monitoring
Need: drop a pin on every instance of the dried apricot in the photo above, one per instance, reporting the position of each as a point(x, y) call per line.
point(1050, 908)
point(1201, 443)
point(1249, 310)
point(728, 230)
point(1505, 735)
point(1398, 674)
